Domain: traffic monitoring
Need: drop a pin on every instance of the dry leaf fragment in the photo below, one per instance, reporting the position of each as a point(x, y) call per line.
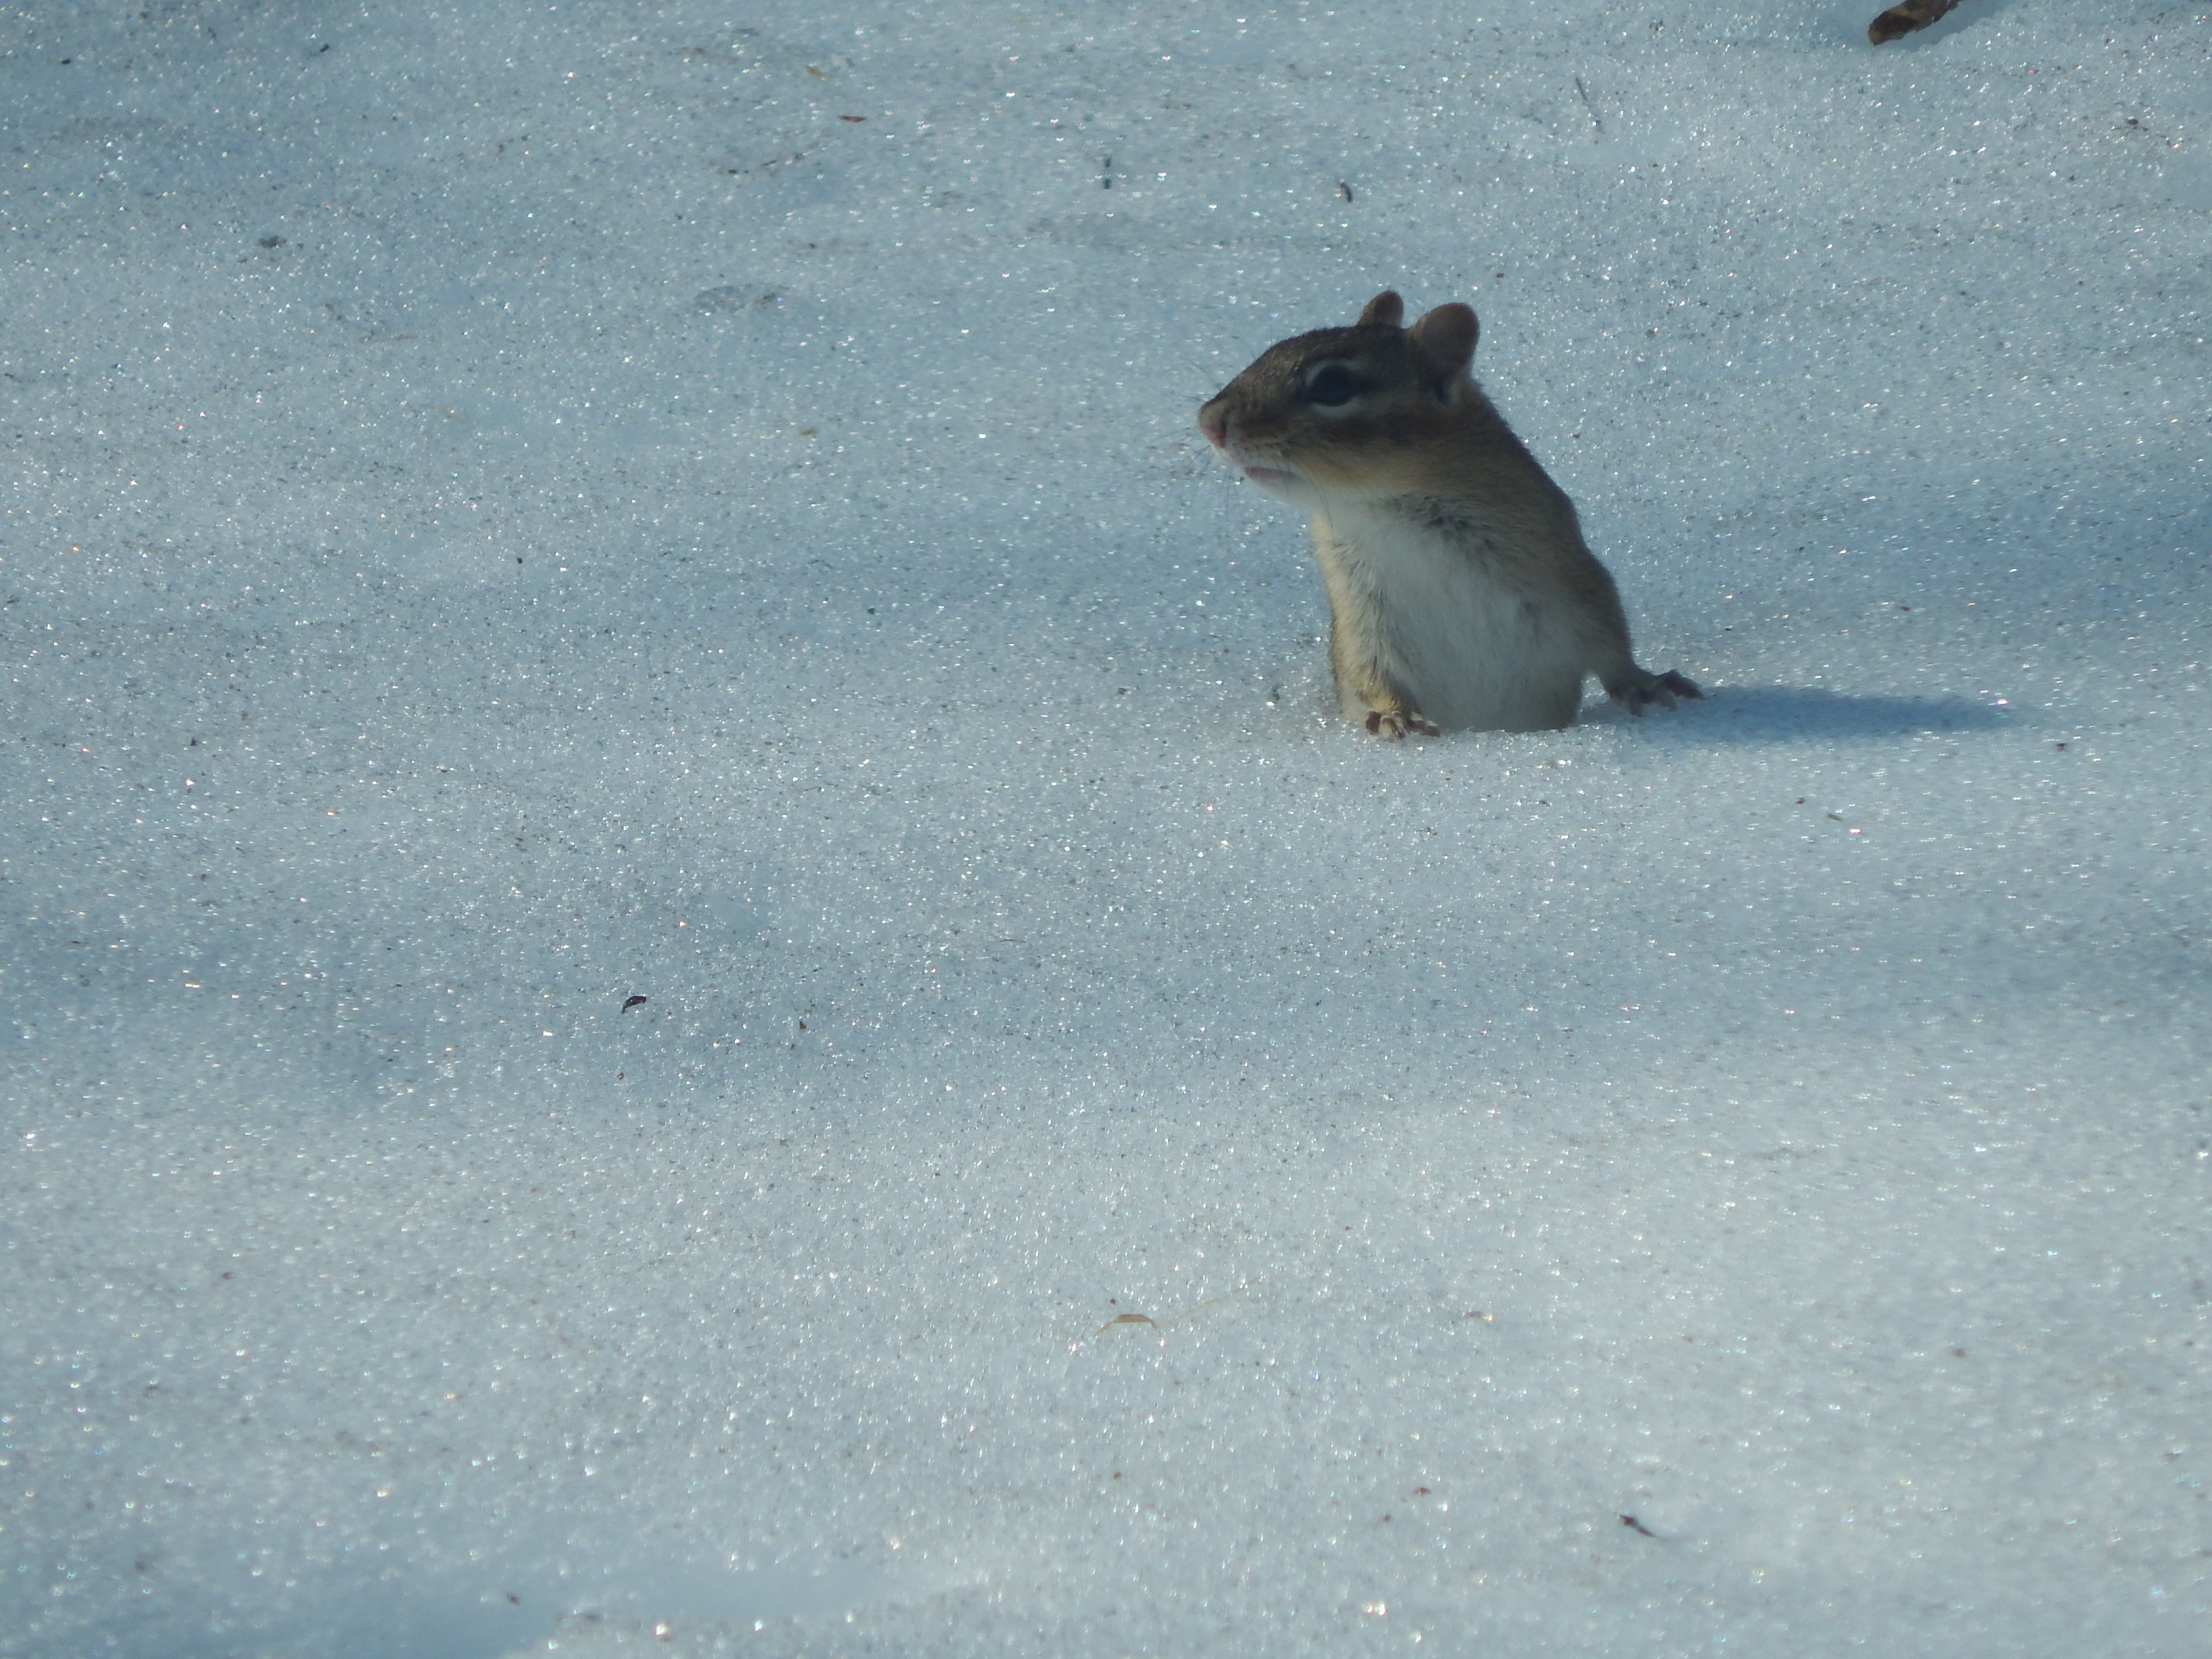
point(1907, 16)
point(1125, 1318)
point(631, 1002)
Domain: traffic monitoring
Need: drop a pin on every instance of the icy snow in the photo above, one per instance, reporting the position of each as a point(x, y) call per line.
point(514, 510)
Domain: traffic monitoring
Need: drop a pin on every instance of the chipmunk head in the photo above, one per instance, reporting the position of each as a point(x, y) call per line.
point(1347, 410)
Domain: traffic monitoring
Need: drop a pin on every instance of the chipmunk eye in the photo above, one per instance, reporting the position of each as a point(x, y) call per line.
point(1332, 388)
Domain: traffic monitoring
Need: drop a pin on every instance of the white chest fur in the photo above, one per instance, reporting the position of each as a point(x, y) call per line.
point(1459, 613)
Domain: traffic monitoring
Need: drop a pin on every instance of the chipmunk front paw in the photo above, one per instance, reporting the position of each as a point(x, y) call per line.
point(1395, 724)
point(1639, 694)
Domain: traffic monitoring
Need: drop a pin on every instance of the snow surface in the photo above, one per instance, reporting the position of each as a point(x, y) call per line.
point(514, 508)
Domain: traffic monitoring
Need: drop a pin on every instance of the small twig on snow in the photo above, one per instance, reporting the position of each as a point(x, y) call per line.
point(1904, 18)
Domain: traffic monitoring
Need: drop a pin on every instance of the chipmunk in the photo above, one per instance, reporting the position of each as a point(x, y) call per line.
point(1461, 592)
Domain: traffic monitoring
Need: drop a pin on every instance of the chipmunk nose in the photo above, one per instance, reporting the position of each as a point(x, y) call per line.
point(1216, 426)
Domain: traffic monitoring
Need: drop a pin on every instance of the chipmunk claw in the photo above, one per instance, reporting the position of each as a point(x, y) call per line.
point(1639, 694)
point(1394, 725)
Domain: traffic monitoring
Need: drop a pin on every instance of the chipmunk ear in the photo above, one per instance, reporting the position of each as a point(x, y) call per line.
point(1385, 310)
point(1446, 337)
